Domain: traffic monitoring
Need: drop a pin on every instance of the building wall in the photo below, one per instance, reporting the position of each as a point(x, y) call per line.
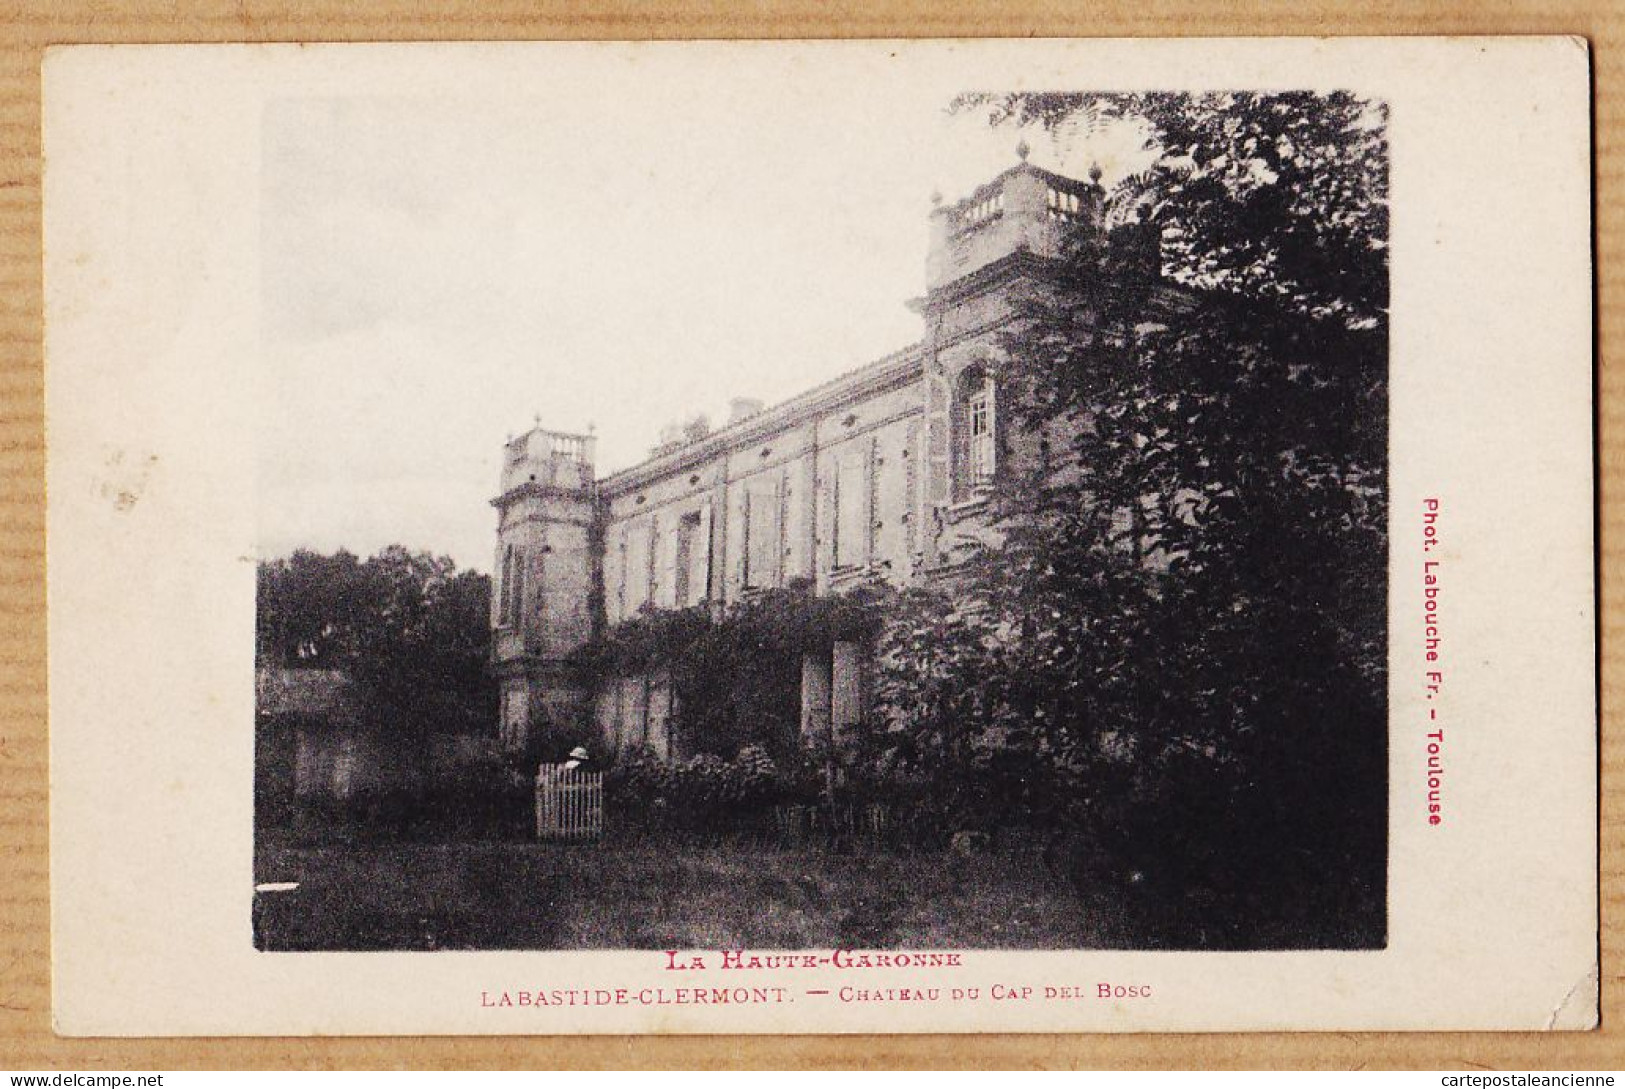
point(864, 476)
point(769, 512)
point(827, 496)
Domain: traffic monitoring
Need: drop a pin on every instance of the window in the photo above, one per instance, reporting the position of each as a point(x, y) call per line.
point(981, 435)
point(762, 545)
point(512, 724)
point(502, 587)
point(851, 511)
point(693, 562)
point(516, 605)
point(700, 577)
point(980, 450)
point(513, 587)
point(639, 566)
point(618, 585)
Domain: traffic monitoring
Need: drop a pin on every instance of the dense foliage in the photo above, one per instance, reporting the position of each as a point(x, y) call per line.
point(703, 793)
point(1178, 650)
point(409, 629)
point(735, 673)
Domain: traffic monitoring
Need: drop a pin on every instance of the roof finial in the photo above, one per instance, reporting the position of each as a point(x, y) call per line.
point(1023, 149)
point(1094, 173)
point(536, 418)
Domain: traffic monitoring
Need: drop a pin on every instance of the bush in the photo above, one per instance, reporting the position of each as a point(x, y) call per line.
point(702, 794)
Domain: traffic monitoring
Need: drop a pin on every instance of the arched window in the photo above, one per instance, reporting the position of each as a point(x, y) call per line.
point(977, 445)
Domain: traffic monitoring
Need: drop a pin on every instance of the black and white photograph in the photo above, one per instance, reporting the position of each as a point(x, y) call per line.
point(1034, 599)
point(822, 537)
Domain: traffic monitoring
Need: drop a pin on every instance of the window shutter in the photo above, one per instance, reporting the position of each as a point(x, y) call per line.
point(651, 559)
point(992, 426)
point(851, 492)
point(745, 544)
point(637, 568)
point(499, 565)
point(699, 582)
point(781, 544)
point(615, 575)
point(516, 599)
point(911, 487)
point(763, 546)
point(502, 586)
point(871, 500)
point(937, 455)
point(666, 533)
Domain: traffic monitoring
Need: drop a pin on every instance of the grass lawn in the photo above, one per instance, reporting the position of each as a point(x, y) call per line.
point(658, 896)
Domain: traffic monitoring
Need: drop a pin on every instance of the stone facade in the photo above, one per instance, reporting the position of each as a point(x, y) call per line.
point(881, 472)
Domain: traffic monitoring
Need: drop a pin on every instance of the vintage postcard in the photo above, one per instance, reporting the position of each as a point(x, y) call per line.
point(1004, 536)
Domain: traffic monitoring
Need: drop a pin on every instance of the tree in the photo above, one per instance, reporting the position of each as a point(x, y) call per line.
point(1186, 617)
point(408, 628)
point(306, 608)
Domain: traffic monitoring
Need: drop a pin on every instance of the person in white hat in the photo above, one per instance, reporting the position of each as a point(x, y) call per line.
point(578, 756)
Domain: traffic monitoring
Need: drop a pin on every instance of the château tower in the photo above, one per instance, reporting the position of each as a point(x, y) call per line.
point(546, 568)
point(987, 253)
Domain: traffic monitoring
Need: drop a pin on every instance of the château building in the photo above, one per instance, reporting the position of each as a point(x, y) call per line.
point(882, 472)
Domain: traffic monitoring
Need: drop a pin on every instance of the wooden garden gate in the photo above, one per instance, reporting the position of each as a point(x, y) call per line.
point(569, 803)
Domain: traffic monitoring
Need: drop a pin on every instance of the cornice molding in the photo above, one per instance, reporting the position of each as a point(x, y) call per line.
point(883, 375)
point(532, 489)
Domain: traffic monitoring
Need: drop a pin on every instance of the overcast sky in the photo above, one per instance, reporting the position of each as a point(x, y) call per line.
point(438, 273)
